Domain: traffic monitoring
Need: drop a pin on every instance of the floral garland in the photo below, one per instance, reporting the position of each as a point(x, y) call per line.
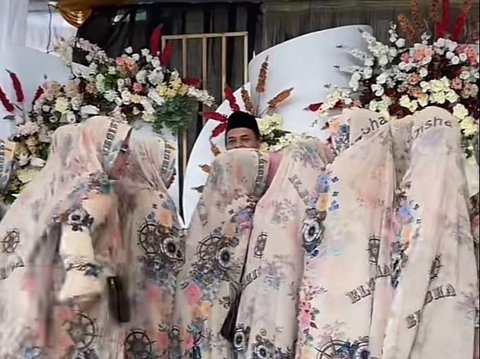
point(133, 87)
point(397, 80)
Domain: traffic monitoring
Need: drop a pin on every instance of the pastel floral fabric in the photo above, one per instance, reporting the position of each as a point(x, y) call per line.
point(215, 253)
point(56, 239)
point(349, 220)
point(154, 247)
point(267, 319)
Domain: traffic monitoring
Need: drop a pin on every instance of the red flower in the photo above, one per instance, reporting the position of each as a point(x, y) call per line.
point(197, 83)
point(219, 130)
point(232, 101)
point(17, 86)
point(5, 101)
point(314, 107)
point(39, 93)
point(166, 56)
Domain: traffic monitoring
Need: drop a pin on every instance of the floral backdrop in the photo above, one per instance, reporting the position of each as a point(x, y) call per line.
point(133, 87)
point(435, 62)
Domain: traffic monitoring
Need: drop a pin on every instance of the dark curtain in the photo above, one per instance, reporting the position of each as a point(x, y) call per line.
point(115, 29)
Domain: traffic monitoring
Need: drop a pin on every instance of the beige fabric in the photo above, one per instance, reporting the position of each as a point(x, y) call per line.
point(436, 298)
point(215, 252)
point(267, 320)
point(30, 277)
point(336, 296)
point(155, 246)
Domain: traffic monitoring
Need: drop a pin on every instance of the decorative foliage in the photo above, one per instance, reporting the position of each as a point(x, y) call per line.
point(397, 80)
point(249, 106)
point(133, 87)
point(30, 141)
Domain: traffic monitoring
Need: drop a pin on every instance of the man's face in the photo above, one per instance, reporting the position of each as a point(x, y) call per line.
point(241, 138)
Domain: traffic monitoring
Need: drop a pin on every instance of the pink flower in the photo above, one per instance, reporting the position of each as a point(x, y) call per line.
point(194, 294)
point(405, 58)
point(414, 79)
point(163, 341)
point(469, 91)
point(137, 88)
point(457, 84)
point(91, 88)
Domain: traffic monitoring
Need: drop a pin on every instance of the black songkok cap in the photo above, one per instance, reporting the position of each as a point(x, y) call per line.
point(241, 119)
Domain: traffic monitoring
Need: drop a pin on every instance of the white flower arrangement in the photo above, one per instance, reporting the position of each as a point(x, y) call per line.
point(396, 80)
point(133, 86)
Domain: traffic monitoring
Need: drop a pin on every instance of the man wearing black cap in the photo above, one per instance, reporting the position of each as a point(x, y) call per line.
point(242, 131)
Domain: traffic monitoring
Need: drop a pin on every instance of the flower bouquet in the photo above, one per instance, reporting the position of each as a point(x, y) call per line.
point(29, 154)
point(132, 87)
point(270, 123)
point(398, 79)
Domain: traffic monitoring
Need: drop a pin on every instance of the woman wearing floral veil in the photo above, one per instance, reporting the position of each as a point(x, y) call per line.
point(59, 242)
point(435, 304)
point(348, 222)
point(155, 250)
point(267, 319)
point(215, 251)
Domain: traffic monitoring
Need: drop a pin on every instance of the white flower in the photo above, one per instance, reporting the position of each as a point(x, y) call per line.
point(382, 78)
point(155, 77)
point(451, 96)
point(128, 50)
point(156, 62)
point(455, 60)
point(88, 110)
point(62, 105)
point(126, 97)
point(354, 85)
point(356, 76)
point(77, 102)
point(136, 57)
point(383, 60)
point(449, 55)
point(459, 111)
point(413, 106)
point(120, 83)
point(111, 70)
point(372, 106)
point(425, 86)
point(145, 52)
point(110, 95)
point(405, 101)
point(439, 43)
point(46, 108)
point(423, 100)
point(463, 57)
point(438, 97)
point(469, 126)
point(367, 72)
point(100, 78)
point(426, 60)
point(369, 61)
point(156, 97)
point(71, 118)
point(378, 90)
point(400, 43)
point(393, 52)
point(464, 75)
point(141, 76)
point(423, 72)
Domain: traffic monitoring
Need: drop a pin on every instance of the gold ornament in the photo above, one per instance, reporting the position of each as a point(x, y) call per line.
point(76, 12)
